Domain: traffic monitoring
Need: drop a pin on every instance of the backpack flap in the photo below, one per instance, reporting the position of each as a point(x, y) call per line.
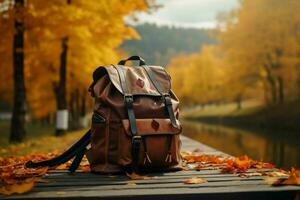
point(138, 82)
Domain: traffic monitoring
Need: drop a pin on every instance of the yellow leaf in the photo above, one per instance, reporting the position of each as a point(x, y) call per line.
point(131, 184)
point(135, 176)
point(194, 180)
point(293, 179)
point(62, 166)
point(17, 188)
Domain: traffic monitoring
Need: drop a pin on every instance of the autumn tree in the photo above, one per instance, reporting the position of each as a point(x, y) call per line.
point(197, 78)
point(260, 39)
point(19, 106)
point(94, 30)
point(257, 55)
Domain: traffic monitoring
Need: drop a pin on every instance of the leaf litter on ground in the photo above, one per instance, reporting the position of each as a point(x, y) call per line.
point(15, 178)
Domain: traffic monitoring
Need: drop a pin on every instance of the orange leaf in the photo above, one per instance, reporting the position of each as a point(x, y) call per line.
point(194, 180)
point(17, 188)
point(131, 184)
point(62, 167)
point(135, 176)
point(85, 169)
point(293, 179)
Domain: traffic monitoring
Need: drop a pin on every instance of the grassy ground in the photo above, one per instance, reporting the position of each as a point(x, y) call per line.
point(34, 131)
point(253, 115)
point(40, 138)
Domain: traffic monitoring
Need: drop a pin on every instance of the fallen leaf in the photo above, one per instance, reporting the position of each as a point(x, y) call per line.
point(197, 150)
point(185, 153)
point(242, 164)
point(17, 188)
point(194, 180)
point(131, 184)
point(247, 175)
point(292, 179)
point(273, 180)
point(135, 176)
point(62, 167)
point(203, 158)
point(85, 169)
point(61, 192)
point(276, 174)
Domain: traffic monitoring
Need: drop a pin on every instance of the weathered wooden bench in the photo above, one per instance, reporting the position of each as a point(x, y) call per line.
point(62, 185)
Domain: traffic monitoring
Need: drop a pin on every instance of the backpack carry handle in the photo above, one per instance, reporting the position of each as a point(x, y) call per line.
point(137, 58)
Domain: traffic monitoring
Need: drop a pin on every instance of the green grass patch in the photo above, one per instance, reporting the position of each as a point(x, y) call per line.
point(40, 138)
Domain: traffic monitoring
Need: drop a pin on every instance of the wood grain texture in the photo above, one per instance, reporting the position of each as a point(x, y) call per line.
point(62, 185)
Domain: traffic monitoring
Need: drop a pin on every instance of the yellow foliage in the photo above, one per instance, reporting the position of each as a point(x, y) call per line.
point(95, 29)
point(257, 55)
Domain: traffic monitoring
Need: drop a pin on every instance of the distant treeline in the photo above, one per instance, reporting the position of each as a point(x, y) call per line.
point(158, 44)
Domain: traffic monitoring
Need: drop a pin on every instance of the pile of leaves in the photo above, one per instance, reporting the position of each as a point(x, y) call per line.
point(240, 166)
point(227, 164)
point(15, 178)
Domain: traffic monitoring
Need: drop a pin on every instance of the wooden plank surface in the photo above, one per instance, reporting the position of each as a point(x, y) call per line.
point(62, 185)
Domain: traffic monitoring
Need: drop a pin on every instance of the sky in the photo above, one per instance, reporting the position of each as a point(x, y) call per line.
point(188, 13)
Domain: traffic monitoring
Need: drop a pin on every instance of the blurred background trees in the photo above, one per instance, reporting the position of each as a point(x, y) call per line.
point(256, 56)
point(64, 41)
point(253, 53)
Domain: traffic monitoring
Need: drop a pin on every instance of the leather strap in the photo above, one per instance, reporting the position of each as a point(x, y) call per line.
point(128, 99)
point(138, 58)
point(136, 145)
point(77, 149)
point(166, 97)
point(77, 160)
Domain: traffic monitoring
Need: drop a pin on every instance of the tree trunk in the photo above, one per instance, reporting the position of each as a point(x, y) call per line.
point(75, 110)
point(61, 93)
point(280, 89)
point(17, 131)
point(62, 114)
point(83, 105)
point(273, 90)
point(83, 120)
point(238, 102)
point(272, 83)
point(266, 95)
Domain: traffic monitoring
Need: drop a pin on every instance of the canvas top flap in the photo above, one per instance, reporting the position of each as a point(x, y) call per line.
point(137, 80)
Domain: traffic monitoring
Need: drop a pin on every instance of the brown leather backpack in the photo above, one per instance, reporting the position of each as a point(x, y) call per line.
point(134, 125)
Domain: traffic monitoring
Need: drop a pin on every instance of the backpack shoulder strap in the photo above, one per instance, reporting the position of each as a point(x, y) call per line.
point(77, 150)
point(128, 100)
point(165, 96)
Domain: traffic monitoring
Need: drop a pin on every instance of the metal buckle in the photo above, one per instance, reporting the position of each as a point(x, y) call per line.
point(168, 100)
point(136, 137)
point(136, 142)
point(128, 98)
point(165, 96)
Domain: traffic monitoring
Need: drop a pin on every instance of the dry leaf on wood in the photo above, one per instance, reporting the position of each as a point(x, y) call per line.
point(62, 167)
point(18, 188)
point(293, 179)
point(276, 174)
point(135, 176)
point(131, 184)
point(247, 175)
point(194, 180)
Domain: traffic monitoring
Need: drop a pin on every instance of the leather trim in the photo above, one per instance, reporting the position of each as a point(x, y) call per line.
point(145, 127)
